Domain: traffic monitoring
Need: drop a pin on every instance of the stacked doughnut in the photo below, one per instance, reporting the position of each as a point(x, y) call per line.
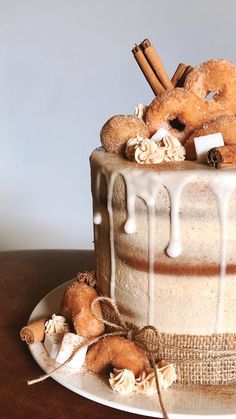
point(206, 104)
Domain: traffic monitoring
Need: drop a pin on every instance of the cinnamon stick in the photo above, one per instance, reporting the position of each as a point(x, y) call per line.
point(224, 156)
point(178, 74)
point(34, 332)
point(147, 70)
point(184, 75)
point(156, 64)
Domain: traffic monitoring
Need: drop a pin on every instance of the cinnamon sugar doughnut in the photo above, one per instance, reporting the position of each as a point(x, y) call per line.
point(116, 352)
point(224, 124)
point(217, 77)
point(178, 103)
point(119, 129)
point(76, 307)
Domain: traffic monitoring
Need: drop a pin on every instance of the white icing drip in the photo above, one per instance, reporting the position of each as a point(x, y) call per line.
point(222, 190)
point(130, 225)
point(175, 188)
point(112, 244)
point(145, 185)
point(97, 218)
point(151, 260)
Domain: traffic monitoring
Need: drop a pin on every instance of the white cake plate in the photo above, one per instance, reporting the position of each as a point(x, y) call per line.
point(181, 401)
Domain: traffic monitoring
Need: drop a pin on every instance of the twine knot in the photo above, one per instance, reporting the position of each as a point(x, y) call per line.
point(130, 334)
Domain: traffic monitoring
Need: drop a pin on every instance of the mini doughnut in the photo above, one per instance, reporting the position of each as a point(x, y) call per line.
point(76, 307)
point(224, 124)
point(178, 103)
point(116, 352)
point(217, 77)
point(119, 129)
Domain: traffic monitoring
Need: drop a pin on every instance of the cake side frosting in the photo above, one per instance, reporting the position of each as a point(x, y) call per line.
point(163, 237)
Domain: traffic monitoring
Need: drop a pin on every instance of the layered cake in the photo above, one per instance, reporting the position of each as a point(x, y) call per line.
point(164, 197)
point(160, 307)
point(165, 242)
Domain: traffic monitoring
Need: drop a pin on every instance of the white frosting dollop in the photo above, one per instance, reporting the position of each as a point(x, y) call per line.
point(56, 325)
point(168, 373)
point(122, 381)
point(140, 110)
point(143, 151)
point(147, 151)
point(146, 383)
point(173, 149)
point(55, 328)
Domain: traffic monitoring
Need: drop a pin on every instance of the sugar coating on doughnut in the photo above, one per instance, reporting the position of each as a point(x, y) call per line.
point(76, 307)
point(116, 352)
point(215, 76)
point(119, 129)
point(225, 124)
point(178, 103)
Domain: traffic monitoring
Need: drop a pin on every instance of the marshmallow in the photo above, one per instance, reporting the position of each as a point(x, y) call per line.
point(52, 345)
point(69, 343)
point(205, 143)
point(161, 133)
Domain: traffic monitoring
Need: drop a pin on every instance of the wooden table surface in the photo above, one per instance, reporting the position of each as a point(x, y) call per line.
point(25, 278)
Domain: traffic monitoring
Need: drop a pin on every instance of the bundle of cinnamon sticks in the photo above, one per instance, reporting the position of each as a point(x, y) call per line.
point(155, 72)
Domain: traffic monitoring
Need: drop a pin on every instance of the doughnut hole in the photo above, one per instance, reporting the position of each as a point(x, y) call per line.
point(176, 124)
point(214, 95)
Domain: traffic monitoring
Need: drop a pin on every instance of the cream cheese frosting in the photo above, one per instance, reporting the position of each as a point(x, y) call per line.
point(55, 328)
point(147, 151)
point(122, 381)
point(172, 148)
point(56, 325)
point(158, 206)
point(168, 374)
point(143, 151)
point(146, 383)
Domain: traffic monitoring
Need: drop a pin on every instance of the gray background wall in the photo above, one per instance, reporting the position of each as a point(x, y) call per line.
point(65, 67)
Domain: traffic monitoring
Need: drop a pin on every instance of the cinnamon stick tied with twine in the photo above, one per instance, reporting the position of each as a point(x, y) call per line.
point(156, 64)
point(223, 156)
point(147, 70)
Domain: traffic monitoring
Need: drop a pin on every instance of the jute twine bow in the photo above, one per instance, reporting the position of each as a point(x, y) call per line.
point(139, 336)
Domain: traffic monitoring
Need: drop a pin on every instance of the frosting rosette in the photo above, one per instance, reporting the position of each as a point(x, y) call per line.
point(122, 381)
point(168, 374)
point(172, 148)
point(148, 151)
point(56, 325)
point(146, 382)
point(143, 151)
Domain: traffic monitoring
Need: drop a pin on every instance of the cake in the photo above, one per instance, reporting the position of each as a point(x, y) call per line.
point(160, 307)
point(164, 249)
point(165, 230)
